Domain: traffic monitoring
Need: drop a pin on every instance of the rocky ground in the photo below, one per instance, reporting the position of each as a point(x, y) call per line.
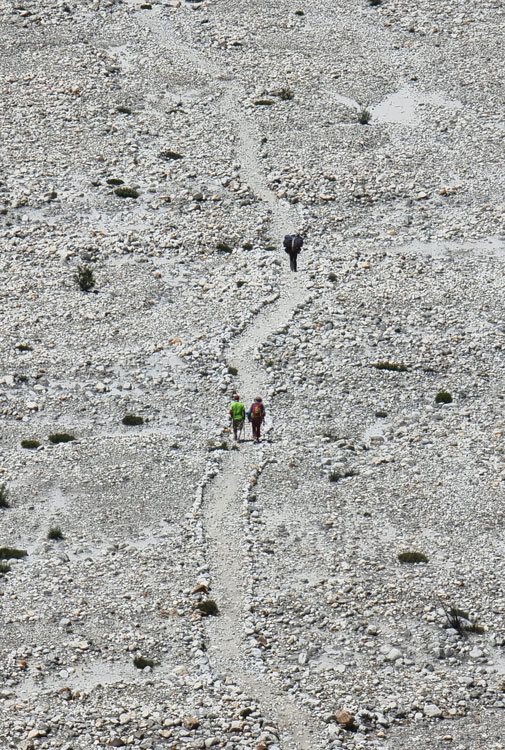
point(235, 123)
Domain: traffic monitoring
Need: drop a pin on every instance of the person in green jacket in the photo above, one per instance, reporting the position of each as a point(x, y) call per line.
point(237, 415)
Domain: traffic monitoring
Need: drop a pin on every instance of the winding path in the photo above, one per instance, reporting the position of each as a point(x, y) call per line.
point(222, 512)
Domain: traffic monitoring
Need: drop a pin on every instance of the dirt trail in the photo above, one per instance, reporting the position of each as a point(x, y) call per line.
point(222, 511)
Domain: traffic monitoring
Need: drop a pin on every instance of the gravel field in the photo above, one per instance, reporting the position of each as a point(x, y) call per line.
point(180, 591)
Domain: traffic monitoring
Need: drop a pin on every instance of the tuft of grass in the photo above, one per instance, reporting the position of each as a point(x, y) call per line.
point(240, 283)
point(270, 248)
point(22, 378)
point(223, 446)
point(170, 155)
point(30, 445)
point(232, 370)
point(126, 192)
point(61, 437)
point(141, 663)
point(263, 102)
point(412, 557)
point(123, 110)
point(299, 13)
point(84, 277)
point(55, 534)
point(375, 3)
point(443, 397)
point(364, 116)
point(284, 93)
point(336, 476)
point(332, 276)
point(207, 607)
point(459, 620)
point(115, 181)
point(380, 414)
point(131, 420)
point(247, 246)
point(391, 366)
point(11, 553)
point(4, 493)
point(4, 568)
point(24, 348)
point(223, 247)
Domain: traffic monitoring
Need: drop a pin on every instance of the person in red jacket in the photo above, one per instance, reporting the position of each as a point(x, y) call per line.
point(256, 416)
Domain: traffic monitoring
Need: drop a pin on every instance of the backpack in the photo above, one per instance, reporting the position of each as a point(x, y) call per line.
point(297, 242)
point(256, 411)
point(287, 241)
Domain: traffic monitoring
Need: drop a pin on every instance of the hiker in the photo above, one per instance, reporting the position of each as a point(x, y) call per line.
point(256, 416)
point(237, 414)
point(293, 244)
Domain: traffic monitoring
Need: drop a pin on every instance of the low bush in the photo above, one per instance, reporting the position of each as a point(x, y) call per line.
point(170, 155)
point(375, 3)
point(115, 181)
point(123, 110)
point(55, 534)
point(336, 476)
point(30, 445)
point(459, 620)
point(285, 93)
point(126, 192)
point(11, 553)
point(332, 276)
point(4, 493)
point(263, 102)
point(443, 397)
point(61, 437)
point(84, 277)
point(131, 420)
point(240, 284)
point(232, 370)
point(380, 414)
point(141, 663)
point(207, 607)
point(223, 247)
point(391, 366)
point(247, 246)
point(24, 348)
point(364, 116)
point(412, 557)
point(4, 568)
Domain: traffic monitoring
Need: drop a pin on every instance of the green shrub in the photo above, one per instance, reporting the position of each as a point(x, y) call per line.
point(223, 446)
point(141, 663)
point(84, 277)
point(263, 102)
point(240, 284)
point(412, 557)
point(364, 116)
point(223, 247)
point(270, 248)
point(332, 276)
point(380, 414)
point(30, 444)
point(126, 192)
point(10, 553)
point(285, 94)
point(131, 420)
point(61, 437)
point(22, 378)
point(55, 533)
point(207, 607)
point(299, 13)
point(115, 181)
point(170, 155)
point(4, 493)
point(4, 568)
point(232, 370)
point(24, 348)
point(391, 366)
point(443, 397)
point(375, 3)
point(335, 476)
point(459, 620)
point(247, 246)
point(123, 110)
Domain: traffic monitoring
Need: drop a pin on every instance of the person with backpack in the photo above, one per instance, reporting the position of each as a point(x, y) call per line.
point(293, 244)
point(237, 415)
point(256, 416)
